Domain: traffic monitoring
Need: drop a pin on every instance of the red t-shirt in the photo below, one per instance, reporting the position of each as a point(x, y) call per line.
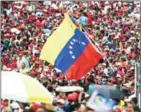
point(122, 37)
point(101, 36)
point(121, 73)
point(89, 18)
point(120, 12)
point(13, 64)
point(38, 23)
point(32, 18)
point(5, 60)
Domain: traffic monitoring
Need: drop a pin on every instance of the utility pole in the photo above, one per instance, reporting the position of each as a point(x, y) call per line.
point(137, 83)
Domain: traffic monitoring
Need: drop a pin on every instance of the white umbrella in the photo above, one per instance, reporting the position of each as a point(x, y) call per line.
point(19, 87)
point(69, 88)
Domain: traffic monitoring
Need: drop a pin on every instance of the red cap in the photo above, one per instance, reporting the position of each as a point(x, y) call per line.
point(73, 96)
point(35, 106)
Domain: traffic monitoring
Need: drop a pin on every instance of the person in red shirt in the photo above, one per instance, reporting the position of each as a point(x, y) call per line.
point(14, 62)
point(5, 60)
point(132, 53)
point(32, 18)
point(120, 72)
point(89, 18)
point(122, 36)
point(4, 103)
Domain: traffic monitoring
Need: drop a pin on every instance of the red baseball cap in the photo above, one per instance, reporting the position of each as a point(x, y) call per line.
point(73, 97)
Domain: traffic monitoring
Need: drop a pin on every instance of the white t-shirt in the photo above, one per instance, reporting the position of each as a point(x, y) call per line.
point(128, 50)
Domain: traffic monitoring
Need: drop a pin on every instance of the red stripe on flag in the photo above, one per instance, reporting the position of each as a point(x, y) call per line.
point(89, 58)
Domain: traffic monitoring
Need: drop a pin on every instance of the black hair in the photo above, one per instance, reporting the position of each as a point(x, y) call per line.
point(90, 79)
point(135, 100)
point(102, 31)
point(132, 84)
point(45, 84)
point(46, 63)
point(106, 34)
point(97, 28)
point(50, 88)
point(57, 74)
point(76, 105)
point(29, 110)
point(101, 60)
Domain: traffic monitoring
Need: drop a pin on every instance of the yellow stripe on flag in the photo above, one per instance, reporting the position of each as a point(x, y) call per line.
point(58, 40)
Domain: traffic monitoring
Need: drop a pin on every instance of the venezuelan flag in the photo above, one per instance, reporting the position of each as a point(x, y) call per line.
point(69, 50)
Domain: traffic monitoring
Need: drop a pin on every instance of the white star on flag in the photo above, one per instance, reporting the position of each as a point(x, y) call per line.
point(71, 52)
point(73, 57)
point(71, 43)
point(70, 47)
point(74, 40)
point(83, 43)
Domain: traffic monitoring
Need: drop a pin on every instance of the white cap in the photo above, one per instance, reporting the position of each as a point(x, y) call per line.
point(130, 98)
point(132, 68)
point(118, 76)
point(14, 105)
point(87, 95)
point(61, 101)
point(107, 2)
point(104, 64)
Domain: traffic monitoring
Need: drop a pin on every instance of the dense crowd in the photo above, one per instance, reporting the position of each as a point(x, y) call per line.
point(111, 26)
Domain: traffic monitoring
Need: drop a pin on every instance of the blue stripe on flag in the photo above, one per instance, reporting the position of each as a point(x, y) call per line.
point(72, 51)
